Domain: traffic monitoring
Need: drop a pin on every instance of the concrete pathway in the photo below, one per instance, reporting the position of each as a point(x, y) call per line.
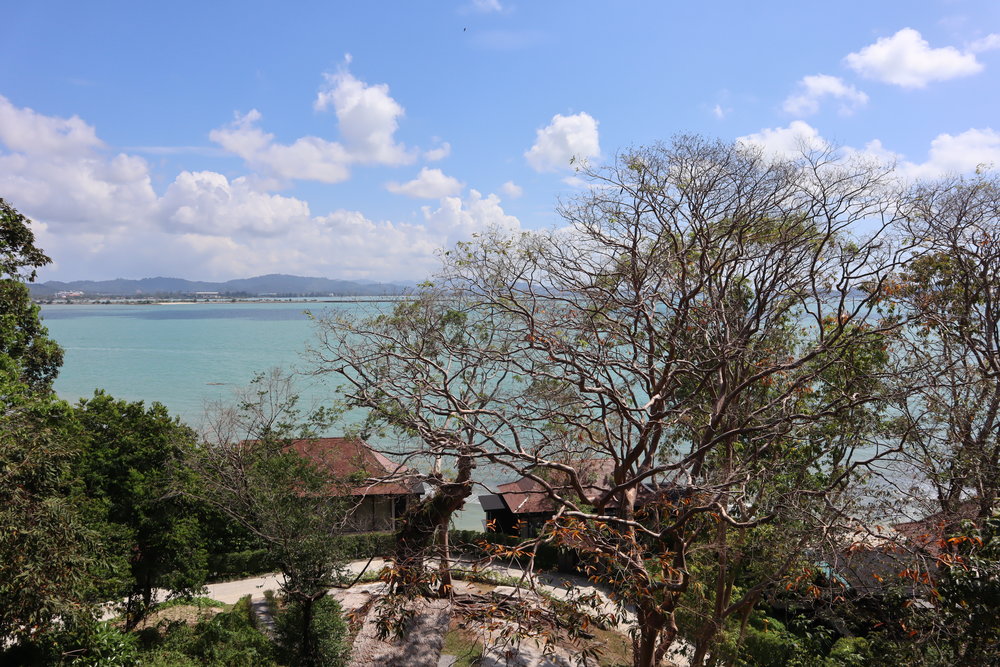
point(354, 598)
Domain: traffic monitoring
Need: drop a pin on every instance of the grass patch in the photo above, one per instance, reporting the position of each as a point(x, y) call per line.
point(464, 645)
point(616, 648)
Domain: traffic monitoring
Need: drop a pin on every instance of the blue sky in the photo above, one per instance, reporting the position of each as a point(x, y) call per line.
point(215, 140)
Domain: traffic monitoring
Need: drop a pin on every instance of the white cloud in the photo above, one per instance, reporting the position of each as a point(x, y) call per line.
point(98, 216)
point(205, 202)
point(948, 154)
point(368, 118)
point(429, 184)
point(814, 88)
point(439, 153)
point(562, 140)
point(512, 189)
point(987, 43)
point(957, 154)
point(907, 60)
point(787, 142)
point(309, 158)
point(56, 168)
point(719, 112)
point(24, 130)
point(458, 219)
point(487, 5)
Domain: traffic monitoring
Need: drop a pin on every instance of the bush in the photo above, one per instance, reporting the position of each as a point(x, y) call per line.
point(238, 564)
point(228, 638)
point(329, 632)
point(83, 645)
point(364, 545)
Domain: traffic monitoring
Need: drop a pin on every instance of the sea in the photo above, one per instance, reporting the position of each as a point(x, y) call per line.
point(189, 356)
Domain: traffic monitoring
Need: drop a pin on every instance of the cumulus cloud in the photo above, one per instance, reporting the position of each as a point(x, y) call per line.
point(57, 168)
point(813, 89)
point(512, 189)
point(429, 184)
point(562, 140)
point(26, 131)
point(367, 116)
point(308, 158)
point(206, 202)
point(948, 154)
point(719, 112)
point(97, 214)
point(439, 153)
point(787, 142)
point(987, 43)
point(957, 154)
point(458, 219)
point(906, 59)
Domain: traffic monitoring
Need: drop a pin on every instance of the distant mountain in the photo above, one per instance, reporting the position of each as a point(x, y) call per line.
point(272, 284)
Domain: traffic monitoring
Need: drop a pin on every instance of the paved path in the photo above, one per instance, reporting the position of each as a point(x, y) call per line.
point(351, 599)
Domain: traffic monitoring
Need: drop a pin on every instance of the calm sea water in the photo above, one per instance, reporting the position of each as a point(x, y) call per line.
point(188, 355)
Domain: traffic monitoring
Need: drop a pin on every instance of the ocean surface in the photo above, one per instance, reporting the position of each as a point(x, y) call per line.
point(188, 355)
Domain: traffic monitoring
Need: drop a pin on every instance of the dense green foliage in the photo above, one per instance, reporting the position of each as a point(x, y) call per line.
point(132, 457)
point(47, 551)
point(326, 624)
point(228, 639)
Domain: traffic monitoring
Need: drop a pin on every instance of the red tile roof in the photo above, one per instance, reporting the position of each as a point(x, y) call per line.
point(353, 458)
point(930, 532)
point(526, 496)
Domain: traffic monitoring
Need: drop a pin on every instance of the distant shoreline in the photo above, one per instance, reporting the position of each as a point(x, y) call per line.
point(118, 301)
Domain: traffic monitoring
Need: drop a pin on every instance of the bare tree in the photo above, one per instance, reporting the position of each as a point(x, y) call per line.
point(952, 290)
point(420, 371)
point(706, 324)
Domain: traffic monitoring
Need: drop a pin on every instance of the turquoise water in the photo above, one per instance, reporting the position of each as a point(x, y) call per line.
point(188, 355)
point(181, 355)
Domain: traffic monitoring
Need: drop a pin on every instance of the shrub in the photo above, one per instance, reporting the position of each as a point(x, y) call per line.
point(364, 545)
point(329, 632)
point(240, 564)
point(81, 645)
point(228, 639)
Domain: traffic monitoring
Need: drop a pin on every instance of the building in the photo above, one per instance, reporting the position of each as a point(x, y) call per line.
point(379, 490)
point(522, 507)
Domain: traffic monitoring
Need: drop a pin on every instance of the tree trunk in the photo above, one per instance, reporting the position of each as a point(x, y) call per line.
point(445, 584)
point(415, 535)
point(702, 644)
point(307, 653)
point(651, 623)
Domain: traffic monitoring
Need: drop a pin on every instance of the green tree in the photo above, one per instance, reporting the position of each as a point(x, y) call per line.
point(294, 507)
point(47, 552)
point(133, 457)
point(25, 347)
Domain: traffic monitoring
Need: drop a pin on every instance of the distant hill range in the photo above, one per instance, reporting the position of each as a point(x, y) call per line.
point(274, 284)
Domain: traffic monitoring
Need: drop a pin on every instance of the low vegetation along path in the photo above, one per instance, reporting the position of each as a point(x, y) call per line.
point(354, 598)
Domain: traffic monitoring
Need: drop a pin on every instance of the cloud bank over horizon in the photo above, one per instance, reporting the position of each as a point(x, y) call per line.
point(246, 156)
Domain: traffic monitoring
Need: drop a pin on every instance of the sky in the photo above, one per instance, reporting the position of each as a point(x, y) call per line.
point(214, 140)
